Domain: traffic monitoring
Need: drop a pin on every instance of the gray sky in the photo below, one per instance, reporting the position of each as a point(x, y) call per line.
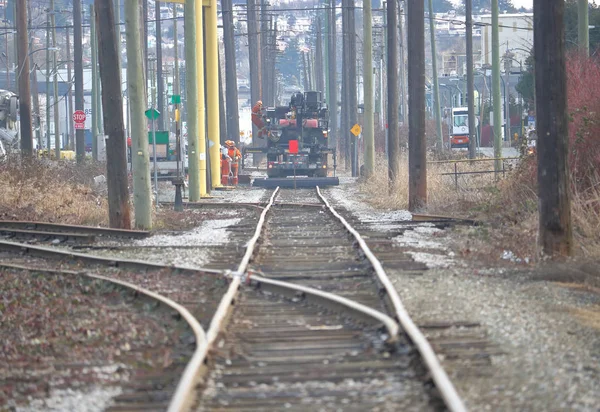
point(529, 3)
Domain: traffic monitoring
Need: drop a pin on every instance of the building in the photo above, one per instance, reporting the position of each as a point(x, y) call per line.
point(516, 35)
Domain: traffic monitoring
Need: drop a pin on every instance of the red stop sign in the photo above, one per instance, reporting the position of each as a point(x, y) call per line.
point(79, 116)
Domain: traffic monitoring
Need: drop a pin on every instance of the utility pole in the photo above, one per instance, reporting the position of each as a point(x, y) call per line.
point(392, 94)
point(48, 106)
point(352, 83)
point(583, 25)
point(200, 135)
point(191, 80)
point(470, 77)
point(497, 98)
point(233, 116)
point(402, 63)
point(95, 109)
point(78, 57)
point(344, 135)
point(507, 65)
point(36, 104)
point(555, 228)
point(436, 87)
point(369, 121)
point(119, 212)
point(213, 112)
point(305, 71)
point(136, 91)
point(223, 117)
point(55, 69)
point(144, 27)
point(24, 83)
point(320, 72)
point(70, 130)
point(160, 89)
point(264, 53)
point(417, 148)
point(333, 106)
point(254, 54)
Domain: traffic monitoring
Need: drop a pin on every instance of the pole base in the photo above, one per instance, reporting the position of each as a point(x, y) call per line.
point(178, 207)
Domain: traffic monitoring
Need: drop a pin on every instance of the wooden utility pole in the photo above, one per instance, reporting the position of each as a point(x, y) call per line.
point(144, 27)
point(112, 101)
point(263, 39)
point(36, 104)
point(160, 89)
point(583, 26)
point(78, 57)
point(55, 81)
point(333, 100)
point(24, 82)
point(392, 94)
point(95, 90)
point(344, 134)
point(353, 97)
point(191, 80)
point(496, 95)
point(555, 228)
point(369, 120)
point(254, 54)
point(212, 93)
point(233, 115)
point(402, 67)
point(417, 148)
point(470, 79)
point(48, 106)
point(320, 72)
point(70, 131)
point(136, 91)
point(305, 80)
point(36, 121)
point(436, 87)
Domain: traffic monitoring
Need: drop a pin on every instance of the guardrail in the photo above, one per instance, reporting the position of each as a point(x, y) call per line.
point(456, 173)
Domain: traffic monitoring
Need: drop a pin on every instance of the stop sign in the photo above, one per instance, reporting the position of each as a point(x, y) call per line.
point(79, 116)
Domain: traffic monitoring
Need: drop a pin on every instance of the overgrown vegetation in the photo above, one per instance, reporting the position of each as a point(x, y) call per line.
point(511, 203)
point(37, 189)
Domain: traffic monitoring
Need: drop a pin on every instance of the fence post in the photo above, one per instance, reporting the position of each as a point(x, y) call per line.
point(456, 174)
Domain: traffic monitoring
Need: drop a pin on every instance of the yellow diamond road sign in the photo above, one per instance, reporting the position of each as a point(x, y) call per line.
point(355, 129)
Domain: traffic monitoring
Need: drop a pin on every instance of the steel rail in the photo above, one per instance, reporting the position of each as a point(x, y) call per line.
point(119, 263)
point(185, 394)
point(199, 333)
point(333, 301)
point(73, 228)
point(442, 382)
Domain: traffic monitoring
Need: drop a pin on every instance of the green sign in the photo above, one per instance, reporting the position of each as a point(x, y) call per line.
point(152, 114)
point(176, 99)
point(161, 137)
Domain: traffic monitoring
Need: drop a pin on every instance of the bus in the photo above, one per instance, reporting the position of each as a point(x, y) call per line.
point(459, 132)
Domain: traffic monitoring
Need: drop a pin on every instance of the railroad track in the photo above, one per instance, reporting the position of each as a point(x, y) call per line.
point(309, 318)
point(315, 328)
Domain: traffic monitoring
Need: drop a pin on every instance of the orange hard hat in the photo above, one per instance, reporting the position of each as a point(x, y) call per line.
point(259, 102)
point(229, 143)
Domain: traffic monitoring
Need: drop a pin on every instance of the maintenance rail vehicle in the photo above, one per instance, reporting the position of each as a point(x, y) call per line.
point(297, 144)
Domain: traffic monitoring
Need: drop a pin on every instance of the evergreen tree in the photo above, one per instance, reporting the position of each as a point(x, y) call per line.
point(289, 63)
point(439, 6)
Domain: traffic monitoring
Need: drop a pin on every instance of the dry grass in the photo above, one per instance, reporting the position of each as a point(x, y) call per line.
point(443, 196)
point(509, 205)
point(49, 191)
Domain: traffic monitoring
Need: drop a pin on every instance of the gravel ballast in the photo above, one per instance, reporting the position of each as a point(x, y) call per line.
point(545, 335)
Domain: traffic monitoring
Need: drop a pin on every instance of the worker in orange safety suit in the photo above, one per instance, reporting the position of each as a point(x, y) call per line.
point(258, 115)
point(232, 159)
